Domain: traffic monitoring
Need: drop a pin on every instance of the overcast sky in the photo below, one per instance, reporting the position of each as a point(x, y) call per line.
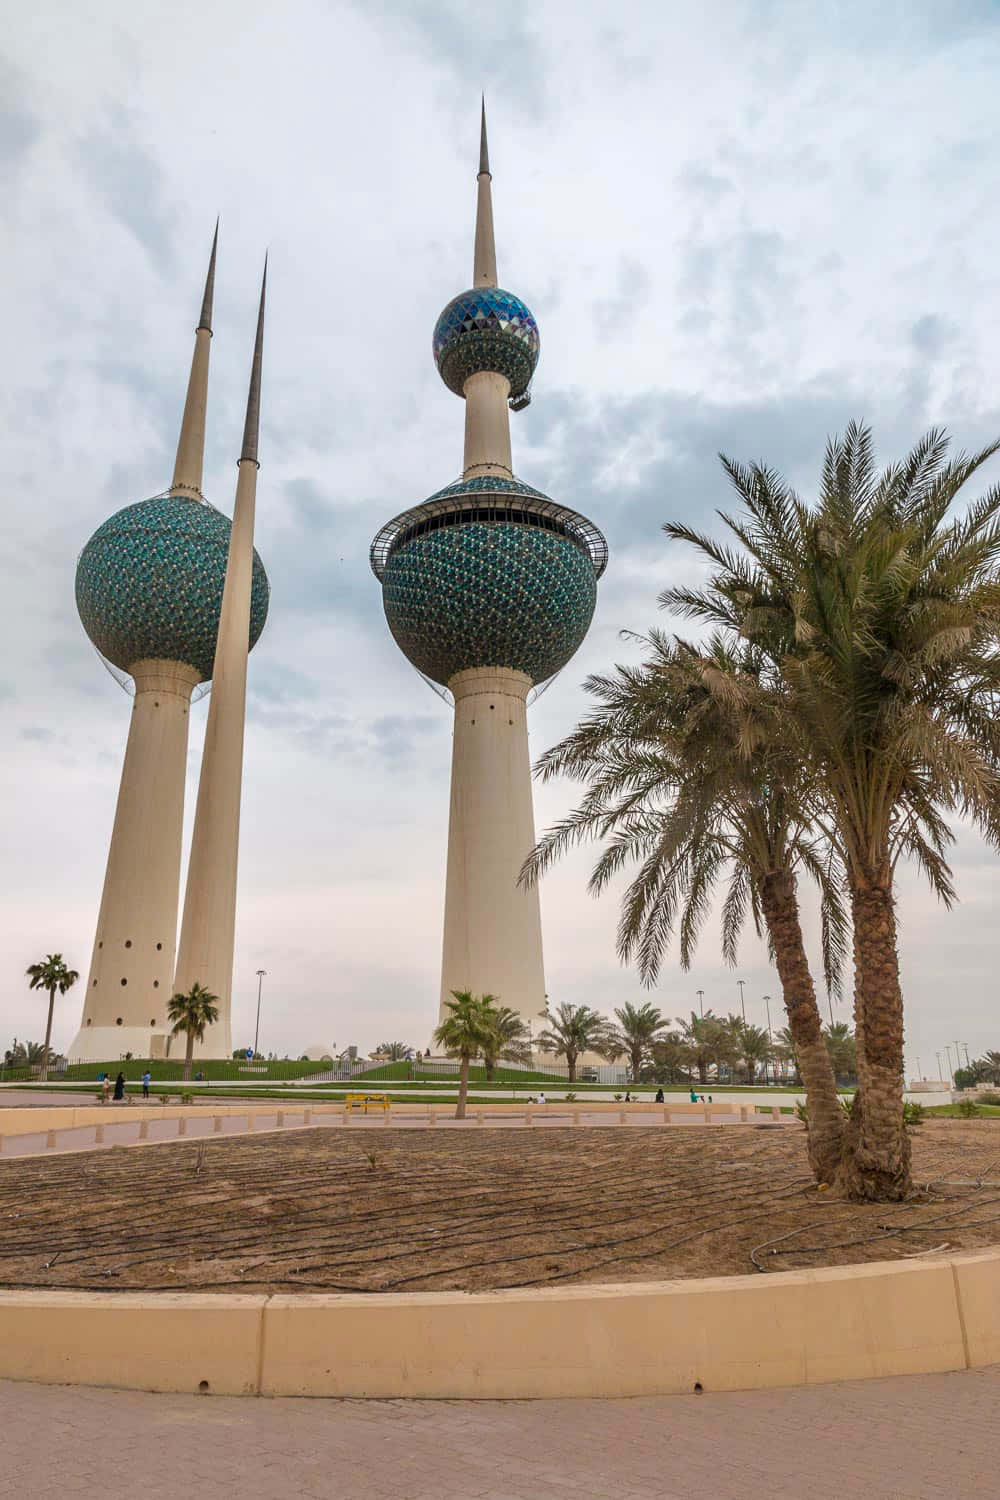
point(738, 225)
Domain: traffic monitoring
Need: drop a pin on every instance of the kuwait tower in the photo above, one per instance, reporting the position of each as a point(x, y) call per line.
point(489, 588)
point(149, 589)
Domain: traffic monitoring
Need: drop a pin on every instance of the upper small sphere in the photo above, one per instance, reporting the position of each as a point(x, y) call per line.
point(149, 583)
point(486, 329)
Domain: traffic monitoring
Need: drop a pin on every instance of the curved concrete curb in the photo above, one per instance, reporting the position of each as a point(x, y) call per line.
point(727, 1333)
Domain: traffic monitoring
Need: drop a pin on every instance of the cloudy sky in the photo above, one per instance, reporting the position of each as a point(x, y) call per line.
point(738, 224)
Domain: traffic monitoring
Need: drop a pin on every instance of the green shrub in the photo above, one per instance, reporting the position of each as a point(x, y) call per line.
point(187, 1098)
point(991, 1097)
point(968, 1109)
point(913, 1114)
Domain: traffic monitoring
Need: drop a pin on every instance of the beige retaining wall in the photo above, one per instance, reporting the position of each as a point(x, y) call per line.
point(728, 1333)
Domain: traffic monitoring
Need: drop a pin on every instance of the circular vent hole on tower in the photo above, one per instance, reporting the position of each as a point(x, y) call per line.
point(119, 1022)
point(128, 942)
point(158, 947)
point(124, 981)
point(156, 984)
point(89, 1021)
point(153, 1021)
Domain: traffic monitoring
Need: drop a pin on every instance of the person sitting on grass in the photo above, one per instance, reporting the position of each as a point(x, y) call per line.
point(659, 1096)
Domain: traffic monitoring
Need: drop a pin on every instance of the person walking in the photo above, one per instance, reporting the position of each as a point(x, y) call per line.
point(120, 1086)
point(105, 1087)
point(145, 1083)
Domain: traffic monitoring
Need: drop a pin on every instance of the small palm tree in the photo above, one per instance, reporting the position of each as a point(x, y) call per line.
point(191, 1013)
point(466, 1032)
point(510, 1040)
point(839, 1039)
point(573, 1029)
point(639, 1026)
point(51, 974)
point(395, 1051)
point(705, 1041)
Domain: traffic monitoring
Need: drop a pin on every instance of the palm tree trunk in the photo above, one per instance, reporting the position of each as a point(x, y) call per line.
point(571, 1066)
point(877, 1164)
point(188, 1056)
point(636, 1061)
point(44, 1072)
point(489, 1067)
point(463, 1088)
point(826, 1118)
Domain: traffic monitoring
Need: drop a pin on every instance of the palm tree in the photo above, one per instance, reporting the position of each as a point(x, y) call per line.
point(784, 1051)
point(839, 1039)
point(191, 1013)
point(876, 614)
point(751, 1043)
point(690, 778)
point(464, 1033)
point(395, 1051)
point(669, 1058)
point(704, 1040)
point(638, 1027)
point(51, 974)
point(572, 1029)
point(510, 1039)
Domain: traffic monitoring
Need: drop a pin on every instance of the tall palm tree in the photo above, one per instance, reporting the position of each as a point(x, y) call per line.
point(509, 1039)
point(751, 1045)
point(638, 1027)
point(877, 613)
point(191, 1013)
point(464, 1033)
point(690, 778)
point(572, 1029)
point(51, 974)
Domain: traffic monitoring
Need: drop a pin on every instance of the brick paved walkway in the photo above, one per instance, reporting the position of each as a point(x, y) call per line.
point(914, 1438)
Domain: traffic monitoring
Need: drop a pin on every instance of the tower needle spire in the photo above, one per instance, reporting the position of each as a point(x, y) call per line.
point(484, 150)
point(484, 269)
point(205, 321)
point(190, 458)
point(251, 428)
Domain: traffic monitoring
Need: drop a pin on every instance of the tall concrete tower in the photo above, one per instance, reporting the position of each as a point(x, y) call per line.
point(208, 927)
point(489, 587)
point(149, 589)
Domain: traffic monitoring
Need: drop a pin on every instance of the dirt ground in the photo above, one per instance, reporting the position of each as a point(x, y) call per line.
point(425, 1211)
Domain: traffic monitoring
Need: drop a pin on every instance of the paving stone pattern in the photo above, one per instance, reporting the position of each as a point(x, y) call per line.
point(912, 1438)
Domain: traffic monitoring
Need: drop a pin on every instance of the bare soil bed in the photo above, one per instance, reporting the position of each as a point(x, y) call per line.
point(418, 1211)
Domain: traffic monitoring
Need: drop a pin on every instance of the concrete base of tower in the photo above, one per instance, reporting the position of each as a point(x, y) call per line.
point(109, 1044)
point(492, 926)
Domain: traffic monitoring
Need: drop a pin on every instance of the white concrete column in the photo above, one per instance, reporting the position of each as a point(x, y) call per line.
point(208, 926)
point(492, 927)
point(132, 966)
point(487, 426)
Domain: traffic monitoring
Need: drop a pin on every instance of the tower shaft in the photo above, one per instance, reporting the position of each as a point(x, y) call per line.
point(208, 926)
point(492, 927)
point(129, 983)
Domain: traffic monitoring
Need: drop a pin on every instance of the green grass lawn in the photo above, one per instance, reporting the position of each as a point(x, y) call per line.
point(954, 1111)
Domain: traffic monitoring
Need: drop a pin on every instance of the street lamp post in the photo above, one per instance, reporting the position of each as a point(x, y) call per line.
point(940, 1070)
point(256, 1036)
point(951, 1065)
point(743, 1009)
point(770, 1038)
point(701, 1003)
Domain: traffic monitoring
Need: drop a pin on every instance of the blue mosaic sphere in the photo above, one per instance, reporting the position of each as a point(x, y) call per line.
point(462, 593)
point(486, 329)
point(149, 583)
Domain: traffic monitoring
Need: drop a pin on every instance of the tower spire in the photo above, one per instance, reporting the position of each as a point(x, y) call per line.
point(191, 443)
point(208, 926)
point(484, 268)
point(251, 427)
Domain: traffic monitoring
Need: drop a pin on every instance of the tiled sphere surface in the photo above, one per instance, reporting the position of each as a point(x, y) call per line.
point(149, 583)
point(486, 329)
point(489, 594)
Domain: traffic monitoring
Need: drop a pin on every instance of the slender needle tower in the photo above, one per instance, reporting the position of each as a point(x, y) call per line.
point(149, 591)
point(208, 927)
point(489, 587)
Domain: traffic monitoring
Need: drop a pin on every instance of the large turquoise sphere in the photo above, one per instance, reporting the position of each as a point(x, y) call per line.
point(486, 329)
point(489, 594)
point(149, 583)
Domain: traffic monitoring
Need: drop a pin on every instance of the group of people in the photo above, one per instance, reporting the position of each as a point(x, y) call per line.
point(119, 1086)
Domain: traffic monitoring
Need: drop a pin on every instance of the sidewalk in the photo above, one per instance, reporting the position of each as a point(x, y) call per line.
point(933, 1437)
